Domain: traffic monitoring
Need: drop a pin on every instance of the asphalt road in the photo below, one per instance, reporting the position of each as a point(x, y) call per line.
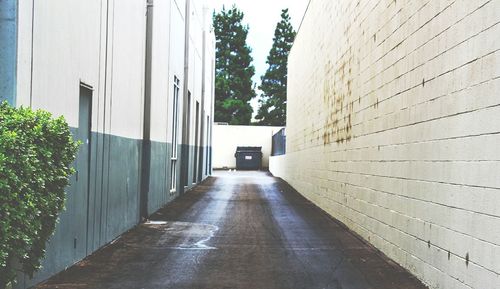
point(238, 230)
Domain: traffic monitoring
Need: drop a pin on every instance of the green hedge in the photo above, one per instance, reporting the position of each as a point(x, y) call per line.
point(36, 153)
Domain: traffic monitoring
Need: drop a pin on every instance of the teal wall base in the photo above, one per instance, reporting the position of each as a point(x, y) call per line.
point(8, 50)
point(93, 219)
point(112, 205)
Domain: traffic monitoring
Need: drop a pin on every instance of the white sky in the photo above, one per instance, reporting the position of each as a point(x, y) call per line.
point(262, 17)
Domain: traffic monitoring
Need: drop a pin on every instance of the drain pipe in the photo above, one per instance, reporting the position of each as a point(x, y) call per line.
point(146, 139)
point(185, 102)
point(201, 150)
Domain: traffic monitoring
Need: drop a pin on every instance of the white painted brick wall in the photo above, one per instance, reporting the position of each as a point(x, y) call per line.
point(394, 129)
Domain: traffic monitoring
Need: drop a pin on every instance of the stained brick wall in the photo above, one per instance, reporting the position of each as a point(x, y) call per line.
point(394, 129)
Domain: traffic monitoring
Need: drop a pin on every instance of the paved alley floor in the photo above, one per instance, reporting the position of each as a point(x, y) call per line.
point(238, 230)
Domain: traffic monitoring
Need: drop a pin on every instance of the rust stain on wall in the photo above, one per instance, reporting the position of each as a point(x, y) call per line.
point(337, 98)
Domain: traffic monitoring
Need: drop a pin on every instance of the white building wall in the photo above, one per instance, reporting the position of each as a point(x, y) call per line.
point(393, 123)
point(176, 63)
point(102, 44)
point(71, 48)
point(165, 55)
point(195, 63)
point(226, 138)
point(128, 42)
point(65, 52)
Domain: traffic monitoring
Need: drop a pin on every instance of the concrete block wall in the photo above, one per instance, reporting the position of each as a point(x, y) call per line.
point(393, 129)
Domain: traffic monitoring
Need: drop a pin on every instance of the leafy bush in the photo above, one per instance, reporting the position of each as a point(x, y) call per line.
point(36, 153)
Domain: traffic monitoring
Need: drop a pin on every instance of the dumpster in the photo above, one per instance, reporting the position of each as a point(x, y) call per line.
point(248, 158)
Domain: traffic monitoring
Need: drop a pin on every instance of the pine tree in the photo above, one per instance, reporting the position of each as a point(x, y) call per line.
point(272, 110)
point(234, 69)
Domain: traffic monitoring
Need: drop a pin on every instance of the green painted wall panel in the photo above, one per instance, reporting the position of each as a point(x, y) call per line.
point(8, 50)
point(159, 181)
point(113, 200)
point(92, 220)
point(122, 187)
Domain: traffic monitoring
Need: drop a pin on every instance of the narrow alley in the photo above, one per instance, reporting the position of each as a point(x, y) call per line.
point(237, 230)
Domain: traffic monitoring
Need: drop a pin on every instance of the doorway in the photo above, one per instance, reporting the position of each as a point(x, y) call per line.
point(196, 143)
point(82, 197)
point(175, 141)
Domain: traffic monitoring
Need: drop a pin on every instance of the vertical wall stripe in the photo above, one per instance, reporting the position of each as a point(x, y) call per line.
point(185, 103)
point(8, 50)
point(32, 50)
point(146, 144)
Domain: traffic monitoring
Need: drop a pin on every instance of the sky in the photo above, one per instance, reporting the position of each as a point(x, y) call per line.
point(262, 17)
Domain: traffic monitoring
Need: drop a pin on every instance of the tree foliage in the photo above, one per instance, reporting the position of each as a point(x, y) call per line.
point(272, 110)
point(36, 152)
point(234, 69)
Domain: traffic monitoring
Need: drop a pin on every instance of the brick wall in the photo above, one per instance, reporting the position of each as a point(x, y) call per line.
point(394, 129)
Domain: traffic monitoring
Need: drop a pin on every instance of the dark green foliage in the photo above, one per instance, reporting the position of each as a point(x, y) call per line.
point(234, 69)
point(272, 110)
point(36, 152)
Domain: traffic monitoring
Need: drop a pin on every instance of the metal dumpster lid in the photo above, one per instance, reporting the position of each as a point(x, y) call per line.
point(249, 149)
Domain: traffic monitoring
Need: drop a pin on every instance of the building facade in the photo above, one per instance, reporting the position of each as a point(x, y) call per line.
point(135, 81)
point(392, 128)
